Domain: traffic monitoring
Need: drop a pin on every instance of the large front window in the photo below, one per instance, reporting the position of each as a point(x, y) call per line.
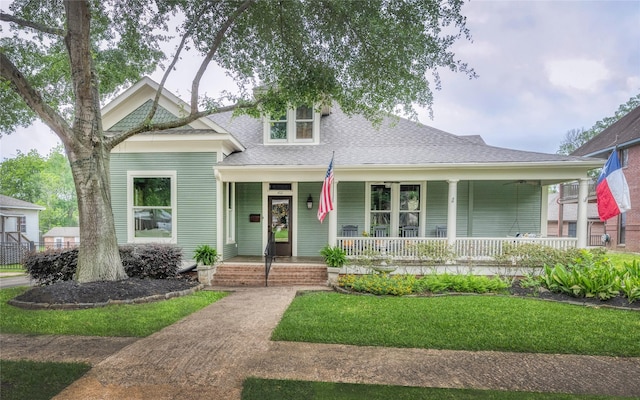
point(395, 209)
point(297, 125)
point(152, 207)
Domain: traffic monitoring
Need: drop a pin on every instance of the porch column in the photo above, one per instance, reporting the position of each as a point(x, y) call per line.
point(333, 216)
point(451, 211)
point(581, 224)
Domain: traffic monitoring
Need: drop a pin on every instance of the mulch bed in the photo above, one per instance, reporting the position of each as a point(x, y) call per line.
point(70, 292)
point(133, 289)
point(542, 293)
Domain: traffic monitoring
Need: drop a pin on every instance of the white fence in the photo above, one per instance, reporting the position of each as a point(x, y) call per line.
point(464, 248)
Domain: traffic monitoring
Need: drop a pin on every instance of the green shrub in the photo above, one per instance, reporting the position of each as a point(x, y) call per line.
point(156, 261)
point(435, 252)
point(398, 285)
point(593, 275)
point(461, 283)
point(532, 255)
point(379, 284)
point(333, 256)
point(206, 255)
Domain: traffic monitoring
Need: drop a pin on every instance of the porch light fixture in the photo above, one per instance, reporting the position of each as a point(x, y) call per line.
point(309, 202)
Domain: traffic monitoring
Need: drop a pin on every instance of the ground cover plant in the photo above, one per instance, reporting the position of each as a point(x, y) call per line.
point(498, 323)
point(273, 389)
point(401, 284)
point(136, 320)
point(593, 276)
point(37, 380)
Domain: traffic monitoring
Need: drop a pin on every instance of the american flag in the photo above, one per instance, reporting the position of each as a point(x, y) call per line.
point(325, 204)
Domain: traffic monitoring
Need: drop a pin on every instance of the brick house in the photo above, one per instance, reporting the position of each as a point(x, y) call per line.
point(624, 229)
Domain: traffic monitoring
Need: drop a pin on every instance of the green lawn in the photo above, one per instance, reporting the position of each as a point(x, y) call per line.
point(118, 320)
point(618, 258)
point(497, 323)
point(37, 380)
point(268, 389)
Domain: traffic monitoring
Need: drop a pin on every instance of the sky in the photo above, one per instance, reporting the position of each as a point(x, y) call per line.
point(544, 68)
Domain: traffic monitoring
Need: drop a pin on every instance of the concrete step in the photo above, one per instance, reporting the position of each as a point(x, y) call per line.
point(279, 275)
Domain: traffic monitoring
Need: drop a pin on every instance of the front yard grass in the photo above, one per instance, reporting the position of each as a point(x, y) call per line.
point(137, 320)
point(37, 380)
point(490, 323)
point(272, 389)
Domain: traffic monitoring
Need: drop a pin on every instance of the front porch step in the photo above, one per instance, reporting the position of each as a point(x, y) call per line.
point(280, 275)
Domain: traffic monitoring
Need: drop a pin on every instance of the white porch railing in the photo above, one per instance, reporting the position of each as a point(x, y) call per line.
point(464, 248)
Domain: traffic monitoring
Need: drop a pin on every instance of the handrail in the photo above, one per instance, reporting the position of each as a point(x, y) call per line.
point(269, 255)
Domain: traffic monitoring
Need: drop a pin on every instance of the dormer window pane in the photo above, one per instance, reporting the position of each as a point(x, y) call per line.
point(304, 122)
point(304, 130)
point(304, 113)
point(278, 130)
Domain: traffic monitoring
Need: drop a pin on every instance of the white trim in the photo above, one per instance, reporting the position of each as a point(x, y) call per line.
point(291, 129)
point(394, 223)
point(230, 212)
point(266, 192)
point(547, 173)
point(145, 90)
point(174, 205)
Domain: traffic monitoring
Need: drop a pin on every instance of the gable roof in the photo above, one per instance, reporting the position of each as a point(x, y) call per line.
point(356, 142)
point(10, 202)
point(63, 231)
point(625, 132)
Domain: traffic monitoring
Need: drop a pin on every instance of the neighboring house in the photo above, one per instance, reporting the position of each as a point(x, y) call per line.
point(230, 182)
point(569, 218)
point(62, 237)
point(624, 230)
point(18, 220)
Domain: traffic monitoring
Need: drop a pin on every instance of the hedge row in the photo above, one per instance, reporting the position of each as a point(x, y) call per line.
point(155, 261)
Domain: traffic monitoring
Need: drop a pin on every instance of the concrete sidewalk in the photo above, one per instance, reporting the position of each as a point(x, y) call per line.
point(208, 354)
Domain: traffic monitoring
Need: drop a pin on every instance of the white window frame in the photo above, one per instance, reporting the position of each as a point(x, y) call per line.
point(131, 238)
point(394, 226)
point(291, 122)
point(58, 242)
point(230, 200)
point(22, 224)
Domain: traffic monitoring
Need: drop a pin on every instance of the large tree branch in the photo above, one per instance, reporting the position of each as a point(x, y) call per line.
point(117, 138)
point(33, 99)
point(30, 24)
point(78, 41)
point(214, 48)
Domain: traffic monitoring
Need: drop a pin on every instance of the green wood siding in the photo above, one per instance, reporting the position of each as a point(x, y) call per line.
point(351, 203)
point(249, 234)
point(437, 193)
point(312, 235)
point(196, 197)
point(496, 214)
point(138, 115)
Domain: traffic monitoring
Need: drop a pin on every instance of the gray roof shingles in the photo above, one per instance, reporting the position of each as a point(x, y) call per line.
point(356, 141)
point(10, 202)
point(625, 130)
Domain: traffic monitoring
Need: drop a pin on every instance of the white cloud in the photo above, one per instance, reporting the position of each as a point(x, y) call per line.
point(580, 74)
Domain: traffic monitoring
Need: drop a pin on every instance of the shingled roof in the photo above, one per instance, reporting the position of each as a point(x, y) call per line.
point(624, 132)
point(10, 202)
point(356, 142)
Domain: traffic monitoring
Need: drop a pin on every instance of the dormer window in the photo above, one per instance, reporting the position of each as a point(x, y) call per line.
point(299, 125)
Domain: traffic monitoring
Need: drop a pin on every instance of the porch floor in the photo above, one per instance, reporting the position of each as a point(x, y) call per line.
point(279, 260)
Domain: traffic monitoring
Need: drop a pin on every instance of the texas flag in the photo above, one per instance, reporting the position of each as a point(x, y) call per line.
point(612, 191)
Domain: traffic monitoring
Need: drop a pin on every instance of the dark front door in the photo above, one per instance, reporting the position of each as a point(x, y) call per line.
point(280, 220)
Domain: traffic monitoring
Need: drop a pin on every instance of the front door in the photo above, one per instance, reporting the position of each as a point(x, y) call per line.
point(280, 220)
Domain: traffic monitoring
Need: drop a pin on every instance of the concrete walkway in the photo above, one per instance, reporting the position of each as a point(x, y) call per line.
point(208, 354)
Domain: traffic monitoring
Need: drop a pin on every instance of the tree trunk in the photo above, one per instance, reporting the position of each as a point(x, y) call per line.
point(98, 256)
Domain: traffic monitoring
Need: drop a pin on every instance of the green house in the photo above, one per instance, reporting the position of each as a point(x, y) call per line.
point(236, 182)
